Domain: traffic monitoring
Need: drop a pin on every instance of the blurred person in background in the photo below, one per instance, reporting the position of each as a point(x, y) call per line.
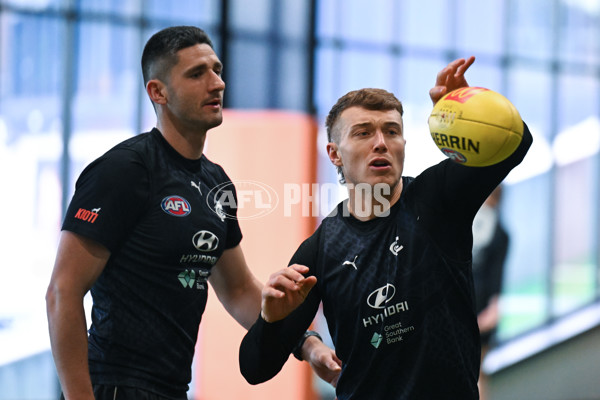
point(145, 234)
point(490, 246)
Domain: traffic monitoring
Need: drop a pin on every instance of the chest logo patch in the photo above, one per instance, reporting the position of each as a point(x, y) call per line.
point(380, 297)
point(395, 248)
point(197, 186)
point(351, 263)
point(205, 241)
point(219, 211)
point(176, 206)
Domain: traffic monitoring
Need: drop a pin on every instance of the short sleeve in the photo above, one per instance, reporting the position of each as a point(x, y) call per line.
point(110, 196)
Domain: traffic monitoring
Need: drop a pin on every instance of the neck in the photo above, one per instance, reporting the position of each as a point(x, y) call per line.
point(187, 142)
point(366, 202)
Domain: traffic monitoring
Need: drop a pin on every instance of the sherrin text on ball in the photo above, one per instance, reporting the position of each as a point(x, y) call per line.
point(475, 126)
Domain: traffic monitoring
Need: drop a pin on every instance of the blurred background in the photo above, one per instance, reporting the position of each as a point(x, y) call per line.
point(71, 87)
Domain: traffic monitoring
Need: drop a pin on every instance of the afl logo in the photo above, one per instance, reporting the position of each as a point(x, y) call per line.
point(176, 205)
point(379, 297)
point(205, 241)
point(454, 155)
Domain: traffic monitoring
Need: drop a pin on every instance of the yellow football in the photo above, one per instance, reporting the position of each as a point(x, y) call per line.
point(476, 126)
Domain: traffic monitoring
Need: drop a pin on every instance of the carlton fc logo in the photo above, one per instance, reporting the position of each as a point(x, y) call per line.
point(176, 205)
point(205, 241)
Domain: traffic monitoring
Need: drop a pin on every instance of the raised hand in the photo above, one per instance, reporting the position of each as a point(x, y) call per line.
point(285, 290)
point(450, 78)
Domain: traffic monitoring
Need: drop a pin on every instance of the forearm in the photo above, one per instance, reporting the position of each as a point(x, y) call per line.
point(265, 349)
point(244, 304)
point(466, 188)
point(68, 337)
point(267, 346)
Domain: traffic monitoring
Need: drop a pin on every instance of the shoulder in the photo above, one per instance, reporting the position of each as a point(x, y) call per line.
point(138, 144)
point(214, 171)
point(125, 163)
point(308, 251)
point(134, 149)
point(311, 244)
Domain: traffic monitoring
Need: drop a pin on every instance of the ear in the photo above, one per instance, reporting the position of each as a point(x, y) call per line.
point(157, 91)
point(334, 154)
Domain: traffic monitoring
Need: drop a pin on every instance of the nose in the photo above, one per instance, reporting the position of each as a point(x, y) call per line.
point(217, 83)
point(379, 144)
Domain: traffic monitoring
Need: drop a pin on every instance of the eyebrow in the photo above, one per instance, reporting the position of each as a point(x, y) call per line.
point(203, 67)
point(370, 124)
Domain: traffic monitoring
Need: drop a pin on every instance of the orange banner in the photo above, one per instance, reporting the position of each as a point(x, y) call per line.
point(262, 152)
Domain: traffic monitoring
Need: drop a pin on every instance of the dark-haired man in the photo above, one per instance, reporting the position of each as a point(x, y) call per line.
point(391, 265)
point(144, 235)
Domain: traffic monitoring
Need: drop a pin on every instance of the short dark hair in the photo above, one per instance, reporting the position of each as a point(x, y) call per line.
point(369, 98)
point(160, 52)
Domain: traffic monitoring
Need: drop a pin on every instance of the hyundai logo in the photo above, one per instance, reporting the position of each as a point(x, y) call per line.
point(205, 241)
point(379, 297)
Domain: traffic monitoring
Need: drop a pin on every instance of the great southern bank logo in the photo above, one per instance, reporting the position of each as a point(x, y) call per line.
point(251, 199)
point(176, 205)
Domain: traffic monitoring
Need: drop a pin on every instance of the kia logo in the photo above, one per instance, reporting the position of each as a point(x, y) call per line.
point(379, 297)
point(205, 241)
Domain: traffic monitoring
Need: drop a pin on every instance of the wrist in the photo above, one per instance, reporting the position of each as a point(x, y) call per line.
point(297, 351)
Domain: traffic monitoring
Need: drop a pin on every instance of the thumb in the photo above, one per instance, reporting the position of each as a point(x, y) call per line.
point(437, 93)
point(335, 364)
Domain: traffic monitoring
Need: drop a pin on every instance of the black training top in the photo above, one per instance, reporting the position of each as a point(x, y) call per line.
point(158, 215)
point(397, 292)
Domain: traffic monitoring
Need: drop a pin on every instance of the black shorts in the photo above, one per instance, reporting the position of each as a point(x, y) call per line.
point(110, 392)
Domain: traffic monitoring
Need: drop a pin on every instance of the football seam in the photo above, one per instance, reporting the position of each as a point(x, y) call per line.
point(487, 123)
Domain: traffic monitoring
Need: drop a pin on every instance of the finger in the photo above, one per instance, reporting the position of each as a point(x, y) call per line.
point(287, 273)
point(336, 359)
point(307, 284)
point(271, 292)
point(293, 274)
point(465, 66)
point(456, 64)
point(334, 367)
point(283, 282)
point(442, 76)
point(303, 269)
point(334, 381)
